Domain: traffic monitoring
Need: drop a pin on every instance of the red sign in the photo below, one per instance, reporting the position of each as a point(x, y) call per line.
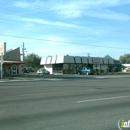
point(2, 48)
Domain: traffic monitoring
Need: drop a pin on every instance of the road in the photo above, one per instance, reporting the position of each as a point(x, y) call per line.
point(66, 103)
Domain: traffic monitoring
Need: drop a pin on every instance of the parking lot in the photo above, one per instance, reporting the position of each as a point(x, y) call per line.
point(64, 102)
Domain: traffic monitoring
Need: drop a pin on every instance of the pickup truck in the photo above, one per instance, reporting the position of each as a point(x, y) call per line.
point(87, 71)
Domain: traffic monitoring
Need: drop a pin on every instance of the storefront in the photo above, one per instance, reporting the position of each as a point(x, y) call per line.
point(71, 64)
point(12, 63)
point(12, 67)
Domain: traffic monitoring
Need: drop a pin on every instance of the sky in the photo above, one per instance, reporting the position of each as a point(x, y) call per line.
point(59, 27)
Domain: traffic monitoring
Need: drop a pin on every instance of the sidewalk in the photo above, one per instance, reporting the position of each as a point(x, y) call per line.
point(32, 76)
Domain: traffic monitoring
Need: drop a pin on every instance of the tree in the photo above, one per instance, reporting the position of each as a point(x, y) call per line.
point(107, 56)
point(32, 60)
point(125, 59)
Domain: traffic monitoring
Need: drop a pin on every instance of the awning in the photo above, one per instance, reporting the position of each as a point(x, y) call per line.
point(13, 62)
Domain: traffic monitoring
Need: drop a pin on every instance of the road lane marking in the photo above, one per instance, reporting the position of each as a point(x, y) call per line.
point(103, 99)
point(23, 80)
point(49, 93)
point(21, 86)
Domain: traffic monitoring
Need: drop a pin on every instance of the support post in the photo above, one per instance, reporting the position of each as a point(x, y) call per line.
point(1, 65)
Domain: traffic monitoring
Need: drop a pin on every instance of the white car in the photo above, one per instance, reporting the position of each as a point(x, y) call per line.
point(125, 70)
point(42, 71)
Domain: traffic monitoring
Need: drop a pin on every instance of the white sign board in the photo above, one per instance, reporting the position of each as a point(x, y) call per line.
point(2, 48)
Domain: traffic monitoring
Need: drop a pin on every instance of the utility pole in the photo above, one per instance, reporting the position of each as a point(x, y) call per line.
point(1, 65)
point(23, 50)
point(88, 54)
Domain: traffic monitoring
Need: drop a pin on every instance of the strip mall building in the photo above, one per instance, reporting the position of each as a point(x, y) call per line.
point(70, 64)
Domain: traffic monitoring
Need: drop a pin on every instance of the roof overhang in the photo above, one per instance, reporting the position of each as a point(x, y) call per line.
point(13, 62)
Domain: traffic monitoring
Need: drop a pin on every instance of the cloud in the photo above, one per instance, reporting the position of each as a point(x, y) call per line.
point(107, 14)
point(93, 8)
point(78, 8)
point(36, 4)
point(31, 21)
point(22, 4)
point(45, 22)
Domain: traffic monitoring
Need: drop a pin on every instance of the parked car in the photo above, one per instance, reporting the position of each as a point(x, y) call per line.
point(87, 71)
point(27, 70)
point(42, 71)
point(126, 69)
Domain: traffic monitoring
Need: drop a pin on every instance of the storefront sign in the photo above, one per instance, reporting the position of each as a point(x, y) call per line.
point(2, 48)
point(96, 60)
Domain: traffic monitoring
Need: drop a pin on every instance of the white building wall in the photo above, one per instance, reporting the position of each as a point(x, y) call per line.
point(49, 68)
point(96, 66)
point(20, 69)
point(104, 68)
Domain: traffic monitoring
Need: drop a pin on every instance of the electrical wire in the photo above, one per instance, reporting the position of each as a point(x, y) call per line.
point(63, 42)
point(90, 20)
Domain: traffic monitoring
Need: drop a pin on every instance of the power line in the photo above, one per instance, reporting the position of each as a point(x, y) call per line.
point(63, 42)
point(97, 27)
point(79, 33)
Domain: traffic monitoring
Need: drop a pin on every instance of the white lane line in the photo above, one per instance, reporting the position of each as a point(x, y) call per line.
point(48, 93)
point(100, 77)
point(102, 99)
point(23, 80)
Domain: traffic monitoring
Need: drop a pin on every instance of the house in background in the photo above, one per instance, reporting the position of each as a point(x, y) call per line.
point(12, 63)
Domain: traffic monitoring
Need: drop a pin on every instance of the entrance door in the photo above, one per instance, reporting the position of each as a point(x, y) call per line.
point(13, 69)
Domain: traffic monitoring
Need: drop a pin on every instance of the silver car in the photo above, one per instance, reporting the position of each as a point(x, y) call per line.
point(42, 71)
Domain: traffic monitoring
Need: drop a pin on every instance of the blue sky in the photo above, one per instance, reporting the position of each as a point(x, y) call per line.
point(60, 27)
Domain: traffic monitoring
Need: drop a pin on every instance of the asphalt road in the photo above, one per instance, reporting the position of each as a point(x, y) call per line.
point(65, 103)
